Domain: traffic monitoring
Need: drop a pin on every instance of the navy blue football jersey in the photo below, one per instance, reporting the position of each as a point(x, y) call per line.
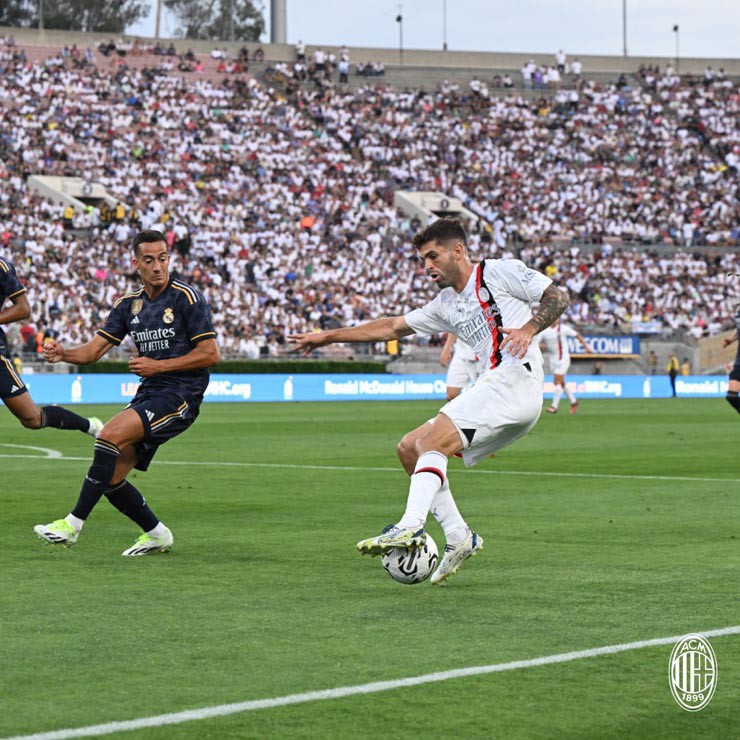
point(168, 326)
point(10, 287)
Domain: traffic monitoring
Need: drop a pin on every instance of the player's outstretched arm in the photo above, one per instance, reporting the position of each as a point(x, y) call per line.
point(586, 346)
point(446, 356)
point(379, 330)
point(727, 341)
point(18, 310)
point(553, 302)
point(204, 354)
point(85, 354)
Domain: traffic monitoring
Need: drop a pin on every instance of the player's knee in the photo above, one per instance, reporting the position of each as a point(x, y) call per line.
point(420, 447)
point(405, 448)
point(733, 400)
point(32, 421)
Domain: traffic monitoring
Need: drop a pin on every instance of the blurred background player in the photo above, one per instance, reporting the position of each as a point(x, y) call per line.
point(672, 368)
point(554, 343)
point(734, 387)
point(462, 366)
point(170, 323)
point(13, 391)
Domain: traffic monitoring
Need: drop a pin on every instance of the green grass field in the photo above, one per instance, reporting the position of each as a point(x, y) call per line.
point(264, 596)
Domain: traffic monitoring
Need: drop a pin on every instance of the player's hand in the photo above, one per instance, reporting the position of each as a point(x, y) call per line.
point(517, 341)
point(726, 342)
point(307, 343)
point(144, 367)
point(53, 350)
point(445, 358)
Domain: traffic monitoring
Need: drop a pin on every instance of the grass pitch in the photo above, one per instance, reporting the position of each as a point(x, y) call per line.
point(264, 596)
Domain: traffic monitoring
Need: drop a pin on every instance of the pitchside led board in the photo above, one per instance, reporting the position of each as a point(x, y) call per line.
point(606, 346)
point(72, 389)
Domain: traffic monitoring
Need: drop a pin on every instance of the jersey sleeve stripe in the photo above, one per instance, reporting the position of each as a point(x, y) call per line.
point(187, 288)
point(128, 295)
point(189, 295)
point(17, 292)
point(204, 335)
point(109, 337)
point(4, 266)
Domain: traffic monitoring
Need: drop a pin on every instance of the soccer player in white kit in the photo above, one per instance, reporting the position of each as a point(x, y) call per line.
point(554, 343)
point(487, 306)
point(462, 366)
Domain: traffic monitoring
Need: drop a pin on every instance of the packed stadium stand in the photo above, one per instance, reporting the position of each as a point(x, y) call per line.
point(275, 187)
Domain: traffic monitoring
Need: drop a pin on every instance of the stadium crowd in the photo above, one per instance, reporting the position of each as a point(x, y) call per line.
point(279, 203)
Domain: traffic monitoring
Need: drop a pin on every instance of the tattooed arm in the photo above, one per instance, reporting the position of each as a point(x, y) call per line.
point(553, 302)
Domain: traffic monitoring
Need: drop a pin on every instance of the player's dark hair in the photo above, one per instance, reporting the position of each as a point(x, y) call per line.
point(444, 231)
point(150, 236)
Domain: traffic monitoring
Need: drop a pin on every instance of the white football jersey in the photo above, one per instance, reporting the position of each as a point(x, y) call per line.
point(498, 294)
point(464, 352)
point(554, 341)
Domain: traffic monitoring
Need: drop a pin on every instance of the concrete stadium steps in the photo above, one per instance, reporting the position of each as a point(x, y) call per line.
point(40, 54)
point(402, 77)
point(398, 76)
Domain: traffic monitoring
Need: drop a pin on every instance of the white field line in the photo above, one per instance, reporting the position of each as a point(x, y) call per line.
point(222, 710)
point(352, 468)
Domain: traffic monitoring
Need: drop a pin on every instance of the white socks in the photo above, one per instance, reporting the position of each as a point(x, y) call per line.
point(569, 395)
point(429, 476)
point(158, 531)
point(446, 513)
point(74, 521)
point(557, 395)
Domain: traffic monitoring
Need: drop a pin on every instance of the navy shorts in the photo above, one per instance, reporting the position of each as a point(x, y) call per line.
point(11, 384)
point(735, 372)
point(164, 415)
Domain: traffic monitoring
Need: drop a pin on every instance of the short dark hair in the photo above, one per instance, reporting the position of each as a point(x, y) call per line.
point(442, 231)
point(150, 236)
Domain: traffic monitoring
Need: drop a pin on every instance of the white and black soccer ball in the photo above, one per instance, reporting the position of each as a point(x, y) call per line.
point(412, 565)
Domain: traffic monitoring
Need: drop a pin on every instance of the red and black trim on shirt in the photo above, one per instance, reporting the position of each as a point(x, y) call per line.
point(491, 313)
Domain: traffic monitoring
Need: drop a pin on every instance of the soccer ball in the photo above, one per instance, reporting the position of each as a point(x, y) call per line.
point(413, 565)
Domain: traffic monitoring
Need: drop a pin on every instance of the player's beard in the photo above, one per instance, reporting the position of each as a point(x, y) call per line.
point(447, 279)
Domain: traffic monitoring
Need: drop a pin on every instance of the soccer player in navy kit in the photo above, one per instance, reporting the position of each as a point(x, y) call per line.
point(734, 386)
point(170, 323)
point(13, 391)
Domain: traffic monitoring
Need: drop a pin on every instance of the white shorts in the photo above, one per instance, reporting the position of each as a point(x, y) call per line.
point(560, 367)
point(461, 373)
point(502, 406)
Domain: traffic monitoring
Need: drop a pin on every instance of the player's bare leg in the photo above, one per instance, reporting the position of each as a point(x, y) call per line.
point(569, 395)
point(453, 392)
point(33, 416)
point(559, 381)
point(406, 448)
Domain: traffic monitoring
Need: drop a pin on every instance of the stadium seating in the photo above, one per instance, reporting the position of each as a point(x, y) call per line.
point(278, 200)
